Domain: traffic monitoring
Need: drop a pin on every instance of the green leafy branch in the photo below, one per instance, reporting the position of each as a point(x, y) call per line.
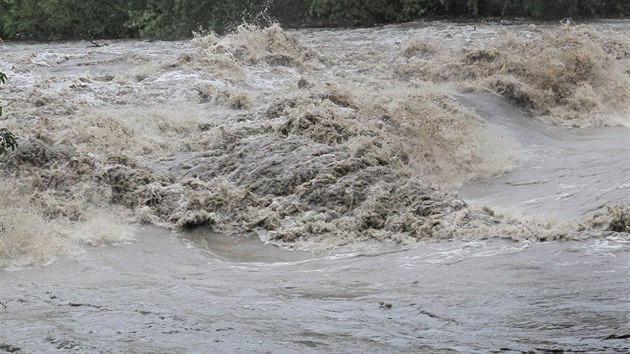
point(8, 140)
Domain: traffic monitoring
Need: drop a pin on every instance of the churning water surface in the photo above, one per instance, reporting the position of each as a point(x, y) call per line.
point(163, 294)
point(199, 291)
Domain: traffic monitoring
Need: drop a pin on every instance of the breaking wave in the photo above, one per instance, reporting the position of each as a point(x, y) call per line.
point(258, 132)
point(570, 75)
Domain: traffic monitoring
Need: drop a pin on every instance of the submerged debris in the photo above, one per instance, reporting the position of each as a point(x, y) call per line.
point(616, 218)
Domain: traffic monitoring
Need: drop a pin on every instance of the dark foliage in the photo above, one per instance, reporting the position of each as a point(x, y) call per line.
point(169, 19)
point(7, 139)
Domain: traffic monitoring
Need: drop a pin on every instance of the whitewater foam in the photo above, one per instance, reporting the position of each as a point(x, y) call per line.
point(568, 75)
point(258, 132)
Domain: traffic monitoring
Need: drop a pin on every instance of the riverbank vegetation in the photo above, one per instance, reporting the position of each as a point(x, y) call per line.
point(171, 19)
point(7, 138)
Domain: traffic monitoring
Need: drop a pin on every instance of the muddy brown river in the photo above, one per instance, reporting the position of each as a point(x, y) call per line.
point(396, 189)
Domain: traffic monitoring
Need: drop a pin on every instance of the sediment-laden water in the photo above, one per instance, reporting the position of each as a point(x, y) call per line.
point(234, 295)
point(422, 187)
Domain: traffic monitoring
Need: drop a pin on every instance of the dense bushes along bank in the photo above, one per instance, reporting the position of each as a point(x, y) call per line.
point(169, 19)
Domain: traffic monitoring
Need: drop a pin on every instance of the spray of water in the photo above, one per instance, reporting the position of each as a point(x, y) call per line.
point(258, 132)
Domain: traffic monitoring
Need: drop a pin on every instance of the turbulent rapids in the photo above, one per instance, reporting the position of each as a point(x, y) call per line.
point(426, 187)
point(311, 140)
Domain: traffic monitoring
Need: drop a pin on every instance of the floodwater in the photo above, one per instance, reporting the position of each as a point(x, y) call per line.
point(560, 172)
point(290, 172)
point(163, 294)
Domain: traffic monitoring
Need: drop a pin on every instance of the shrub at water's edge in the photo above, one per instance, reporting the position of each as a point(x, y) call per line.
point(7, 139)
